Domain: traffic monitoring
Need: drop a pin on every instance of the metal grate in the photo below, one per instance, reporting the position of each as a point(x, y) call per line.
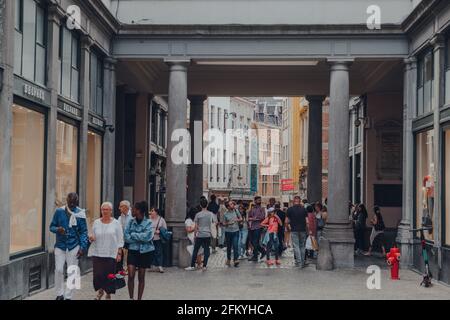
point(35, 279)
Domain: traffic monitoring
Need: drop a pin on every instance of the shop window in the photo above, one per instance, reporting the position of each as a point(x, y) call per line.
point(425, 172)
point(69, 56)
point(425, 78)
point(27, 179)
point(94, 176)
point(447, 187)
point(30, 41)
point(96, 79)
point(66, 160)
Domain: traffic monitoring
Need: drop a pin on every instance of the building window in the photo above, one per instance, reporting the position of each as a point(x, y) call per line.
point(425, 76)
point(447, 185)
point(96, 79)
point(30, 41)
point(69, 56)
point(425, 180)
point(154, 123)
point(66, 160)
point(27, 179)
point(94, 176)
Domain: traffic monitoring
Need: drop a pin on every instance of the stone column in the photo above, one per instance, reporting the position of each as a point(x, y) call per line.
point(86, 43)
point(338, 230)
point(438, 43)
point(404, 237)
point(6, 100)
point(109, 113)
point(314, 178)
point(195, 171)
point(55, 15)
point(176, 173)
point(141, 162)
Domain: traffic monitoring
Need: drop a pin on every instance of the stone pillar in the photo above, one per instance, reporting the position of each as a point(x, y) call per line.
point(141, 162)
point(86, 43)
point(438, 43)
point(6, 100)
point(314, 178)
point(176, 173)
point(404, 236)
point(109, 113)
point(338, 230)
point(55, 15)
point(195, 171)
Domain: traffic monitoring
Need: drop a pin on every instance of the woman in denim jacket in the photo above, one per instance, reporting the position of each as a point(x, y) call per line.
point(138, 235)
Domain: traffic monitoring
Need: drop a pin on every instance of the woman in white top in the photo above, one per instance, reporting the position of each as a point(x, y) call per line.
point(106, 243)
point(190, 230)
point(158, 222)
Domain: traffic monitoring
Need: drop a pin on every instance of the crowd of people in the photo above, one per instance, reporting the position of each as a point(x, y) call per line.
point(254, 231)
point(133, 243)
point(130, 244)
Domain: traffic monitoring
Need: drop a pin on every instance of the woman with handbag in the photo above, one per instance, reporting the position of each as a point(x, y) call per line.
point(377, 235)
point(106, 250)
point(158, 223)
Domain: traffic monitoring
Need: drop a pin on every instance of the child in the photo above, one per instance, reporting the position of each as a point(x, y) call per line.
point(272, 222)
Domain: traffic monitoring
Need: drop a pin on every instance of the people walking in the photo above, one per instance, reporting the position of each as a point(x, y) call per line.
point(287, 232)
point(138, 235)
point(214, 208)
point(190, 230)
point(243, 232)
point(296, 221)
point(106, 250)
point(231, 220)
point(69, 225)
point(321, 219)
point(377, 235)
point(125, 217)
point(158, 222)
point(255, 217)
point(221, 226)
point(311, 242)
point(281, 230)
point(204, 222)
point(360, 227)
point(272, 222)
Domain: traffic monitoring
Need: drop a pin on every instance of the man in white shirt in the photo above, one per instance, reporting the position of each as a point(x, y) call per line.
point(124, 219)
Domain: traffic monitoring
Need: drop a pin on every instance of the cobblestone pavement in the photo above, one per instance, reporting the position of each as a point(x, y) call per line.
point(256, 281)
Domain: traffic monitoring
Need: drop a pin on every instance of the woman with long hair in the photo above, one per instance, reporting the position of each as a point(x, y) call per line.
point(377, 235)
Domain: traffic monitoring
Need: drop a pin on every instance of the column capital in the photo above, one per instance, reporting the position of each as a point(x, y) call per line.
point(340, 63)
point(86, 42)
point(55, 14)
point(197, 99)
point(410, 62)
point(315, 98)
point(110, 63)
point(438, 41)
point(178, 64)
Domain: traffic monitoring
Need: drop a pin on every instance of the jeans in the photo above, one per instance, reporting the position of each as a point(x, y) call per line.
point(232, 241)
point(298, 242)
point(280, 241)
point(221, 237)
point(61, 257)
point(273, 246)
point(158, 253)
point(201, 242)
point(243, 234)
point(256, 242)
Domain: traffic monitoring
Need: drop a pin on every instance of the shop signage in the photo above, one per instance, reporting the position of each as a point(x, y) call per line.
point(66, 107)
point(31, 91)
point(96, 121)
point(287, 184)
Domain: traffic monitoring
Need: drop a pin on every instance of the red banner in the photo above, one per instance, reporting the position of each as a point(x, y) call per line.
point(287, 184)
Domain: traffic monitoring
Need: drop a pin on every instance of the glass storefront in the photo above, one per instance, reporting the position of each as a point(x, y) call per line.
point(66, 160)
point(447, 187)
point(425, 171)
point(27, 179)
point(94, 176)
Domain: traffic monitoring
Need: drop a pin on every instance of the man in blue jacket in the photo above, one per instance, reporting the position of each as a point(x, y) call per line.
point(69, 225)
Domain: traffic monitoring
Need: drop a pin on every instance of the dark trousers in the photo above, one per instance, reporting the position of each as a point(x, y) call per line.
point(281, 241)
point(272, 246)
point(102, 267)
point(157, 253)
point(255, 236)
point(359, 238)
point(232, 241)
point(201, 242)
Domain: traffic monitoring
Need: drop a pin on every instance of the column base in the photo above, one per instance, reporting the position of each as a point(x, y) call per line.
point(342, 244)
point(178, 241)
point(404, 242)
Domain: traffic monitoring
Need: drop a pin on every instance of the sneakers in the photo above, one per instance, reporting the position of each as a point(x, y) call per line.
point(204, 268)
point(60, 298)
point(228, 263)
point(236, 264)
point(277, 262)
point(269, 262)
point(190, 269)
point(160, 270)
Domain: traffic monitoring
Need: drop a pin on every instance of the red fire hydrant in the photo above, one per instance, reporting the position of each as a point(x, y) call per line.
point(393, 260)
